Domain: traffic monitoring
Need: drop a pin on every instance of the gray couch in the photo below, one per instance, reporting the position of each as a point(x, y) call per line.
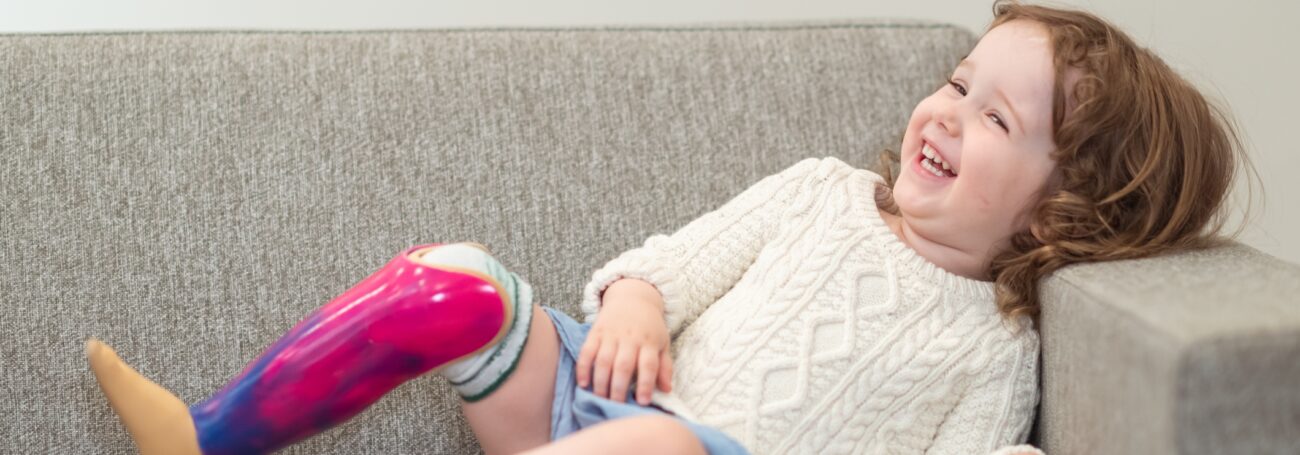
point(189, 196)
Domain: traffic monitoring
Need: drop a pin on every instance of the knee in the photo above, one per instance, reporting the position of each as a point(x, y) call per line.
point(666, 435)
point(649, 435)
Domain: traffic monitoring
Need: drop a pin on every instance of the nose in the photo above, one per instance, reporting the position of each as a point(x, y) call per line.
point(948, 118)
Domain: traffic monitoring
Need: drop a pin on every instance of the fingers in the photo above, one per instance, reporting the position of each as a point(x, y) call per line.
point(604, 363)
point(624, 367)
point(608, 367)
point(648, 365)
point(585, 359)
point(665, 371)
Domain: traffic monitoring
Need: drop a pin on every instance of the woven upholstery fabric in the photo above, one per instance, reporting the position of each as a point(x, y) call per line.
point(188, 197)
point(1190, 353)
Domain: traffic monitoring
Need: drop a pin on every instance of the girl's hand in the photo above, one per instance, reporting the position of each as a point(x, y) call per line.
point(629, 338)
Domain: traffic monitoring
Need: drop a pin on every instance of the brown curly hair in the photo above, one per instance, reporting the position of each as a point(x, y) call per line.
point(1144, 163)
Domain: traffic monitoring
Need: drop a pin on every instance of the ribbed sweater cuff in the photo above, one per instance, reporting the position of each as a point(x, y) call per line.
point(657, 272)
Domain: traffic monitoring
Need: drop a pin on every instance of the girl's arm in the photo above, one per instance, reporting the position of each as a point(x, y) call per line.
point(696, 265)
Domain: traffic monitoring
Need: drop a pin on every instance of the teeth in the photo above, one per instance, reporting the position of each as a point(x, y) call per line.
point(930, 167)
point(929, 152)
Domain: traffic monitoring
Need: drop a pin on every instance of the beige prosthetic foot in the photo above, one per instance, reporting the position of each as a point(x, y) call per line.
point(158, 421)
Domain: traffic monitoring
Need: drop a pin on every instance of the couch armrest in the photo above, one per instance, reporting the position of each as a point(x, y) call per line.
point(1190, 353)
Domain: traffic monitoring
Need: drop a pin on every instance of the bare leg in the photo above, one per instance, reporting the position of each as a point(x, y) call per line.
point(517, 416)
point(650, 434)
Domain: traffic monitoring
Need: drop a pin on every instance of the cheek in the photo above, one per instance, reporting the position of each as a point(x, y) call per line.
point(985, 173)
point(1000, 182)
point(921, 115)
point(1008, 190)
point(914, 126)
point(924, 110)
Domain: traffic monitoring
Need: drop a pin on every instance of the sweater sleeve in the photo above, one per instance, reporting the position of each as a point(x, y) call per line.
point(696, 265)
point(997, 412)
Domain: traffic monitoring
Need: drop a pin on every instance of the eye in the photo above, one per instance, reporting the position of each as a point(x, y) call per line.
point(996, 119)
point(1000, 123)
point(960, 89)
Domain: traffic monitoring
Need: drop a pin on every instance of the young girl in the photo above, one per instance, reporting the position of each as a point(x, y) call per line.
point(816, 312)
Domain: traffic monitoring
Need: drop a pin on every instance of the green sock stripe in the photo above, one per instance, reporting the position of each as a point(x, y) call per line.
point(520, 306)
point(496, 351)
point(500, 380)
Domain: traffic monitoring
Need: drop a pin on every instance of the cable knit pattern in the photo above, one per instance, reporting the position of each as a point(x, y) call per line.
point(802, 324)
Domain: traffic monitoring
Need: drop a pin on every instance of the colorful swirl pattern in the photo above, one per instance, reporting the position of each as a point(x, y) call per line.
point(399, 323)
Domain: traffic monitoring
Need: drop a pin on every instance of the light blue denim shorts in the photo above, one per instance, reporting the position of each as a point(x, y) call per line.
point(577, 408)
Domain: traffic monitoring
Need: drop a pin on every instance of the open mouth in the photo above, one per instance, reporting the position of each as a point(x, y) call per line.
point(931, 162)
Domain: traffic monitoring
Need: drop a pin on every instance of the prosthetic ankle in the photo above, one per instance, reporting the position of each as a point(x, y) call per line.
point(457, 309)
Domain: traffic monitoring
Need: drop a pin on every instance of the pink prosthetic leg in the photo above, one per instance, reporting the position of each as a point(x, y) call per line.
point(403, 321)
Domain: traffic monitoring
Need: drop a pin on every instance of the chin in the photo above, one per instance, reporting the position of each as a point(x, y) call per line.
point(906, 193)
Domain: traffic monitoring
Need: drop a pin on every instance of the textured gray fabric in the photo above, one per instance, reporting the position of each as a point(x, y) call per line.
point(1194, 353)
point(188, 197)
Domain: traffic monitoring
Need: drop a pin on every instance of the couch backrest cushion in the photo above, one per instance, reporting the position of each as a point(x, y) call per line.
point(189, 196)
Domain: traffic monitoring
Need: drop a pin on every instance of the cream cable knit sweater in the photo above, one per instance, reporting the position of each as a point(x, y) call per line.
point(802, 324)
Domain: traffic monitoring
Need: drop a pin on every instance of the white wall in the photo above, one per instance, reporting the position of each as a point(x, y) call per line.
point(1240, 53)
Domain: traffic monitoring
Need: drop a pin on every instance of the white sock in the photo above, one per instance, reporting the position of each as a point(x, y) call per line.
point(476, 377)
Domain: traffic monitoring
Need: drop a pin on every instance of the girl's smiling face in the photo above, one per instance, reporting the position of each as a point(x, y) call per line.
point(991, 124)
